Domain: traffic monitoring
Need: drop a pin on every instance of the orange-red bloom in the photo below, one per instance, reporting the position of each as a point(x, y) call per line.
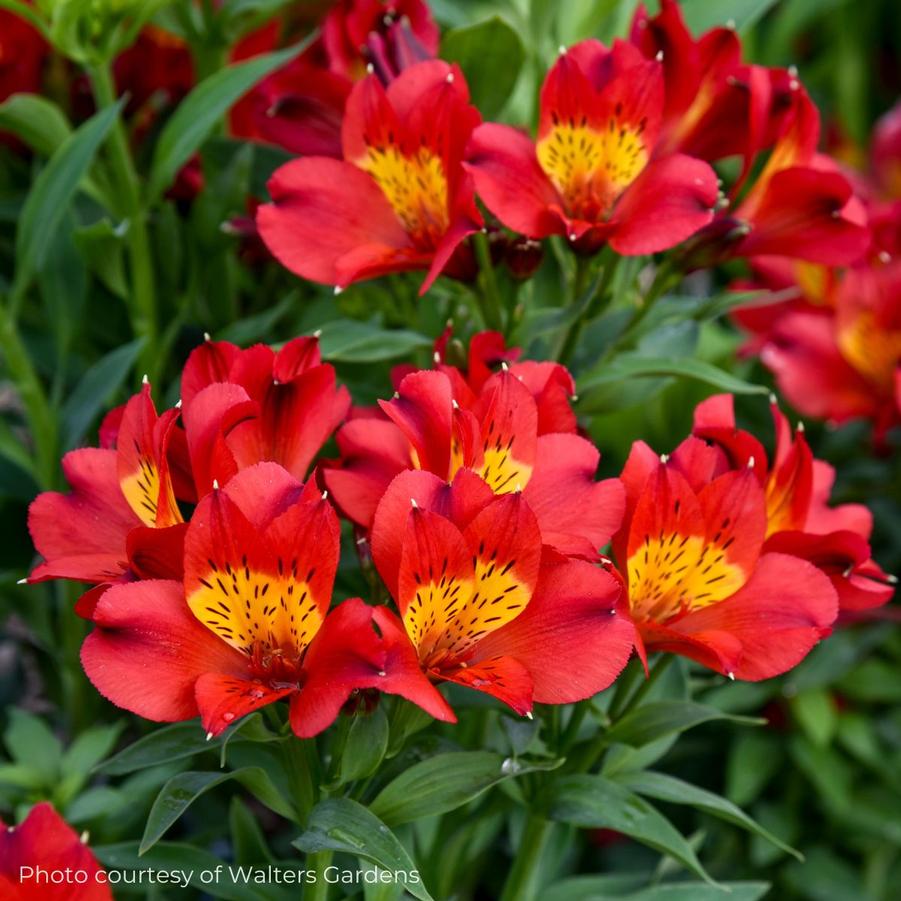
point(596, 173)
point(398, 201)
point(44, 840)
point(484, 604)
point(700, 581)
point(517, 434)
point(251, 623)
point(123, 519)
point(799, 520)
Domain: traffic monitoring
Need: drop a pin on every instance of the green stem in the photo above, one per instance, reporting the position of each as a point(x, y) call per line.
point(522, 880)
point(660, 666)
point(593, 305)
point(142, 297)
point(489, 295)
point(41, 420)
point(318, 863)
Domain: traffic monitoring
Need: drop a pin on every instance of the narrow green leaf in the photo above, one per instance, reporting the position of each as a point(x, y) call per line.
point(14, 450)
point(197, 115)
point(90, 748)
point(445, 782)
point(163, 745)
point(658, 718)
point(35, 121)
point(53, 190)
point(351, 341)
point(184, 789)
point(491, 55)
point(95, 390)
point(701, 15)
point(339, 824)
point(625, 888)
point(816, 714)
point(663, 787)
point(593, 802)
point(631, 366)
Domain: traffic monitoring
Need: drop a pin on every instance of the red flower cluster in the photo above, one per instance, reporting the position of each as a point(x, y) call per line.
point(835, 345)
point(214, 562)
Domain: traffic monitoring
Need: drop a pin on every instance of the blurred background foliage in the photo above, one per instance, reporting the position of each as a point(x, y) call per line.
point(823, 772)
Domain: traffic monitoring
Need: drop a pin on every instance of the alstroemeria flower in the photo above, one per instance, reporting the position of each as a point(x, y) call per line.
point(715, 105)
point(121, 520)
point(595, 174)
point(799, 520)
point(280, 407)
point(251, 623)
point(484, 604)
point(497, 434)
point(700, 582)
point(800, 205)
point(357, 33)
point(398, 201)
point(842, 364)
point(44, 840)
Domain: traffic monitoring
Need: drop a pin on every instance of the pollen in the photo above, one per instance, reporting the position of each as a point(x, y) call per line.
point(416, 187)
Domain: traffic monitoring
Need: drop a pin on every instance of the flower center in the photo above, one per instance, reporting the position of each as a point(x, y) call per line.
point(416, 188)
point(674, 574)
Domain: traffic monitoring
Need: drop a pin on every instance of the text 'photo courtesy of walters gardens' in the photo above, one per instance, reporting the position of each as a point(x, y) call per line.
point(449, 450)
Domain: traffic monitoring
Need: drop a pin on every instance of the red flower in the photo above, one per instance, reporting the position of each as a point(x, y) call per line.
point(44, 840)
point(484, 605)
point(700, 581)
point(385, 34)
point(799, 520)
point(250, 625)
point(121, 520)
point(22, 55)
point(158, 66)
point(595, 174)
point(398, 201)
point(299, 107)
point(715, 105)
point(843, 364)
point(263, 405)
point(436, 423)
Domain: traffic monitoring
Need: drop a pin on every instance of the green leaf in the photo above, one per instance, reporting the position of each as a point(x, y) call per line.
point(35, 121)
point(593, 802)
point(631, 366)
point(339, 824)
point(754, 758)
point(12, 448)
point(248, 841)
point(163, 745)
point(620, 888)
point(255, 328)
point(184, 789)
point(95, 390)
point(663, 787)
point(101, 245)
point(701, 15)
point(90, 748)
point(491, 55)
point(445, 782)
point(351, 341)
point(658, 718)
point(53, 190)
point(816, 714)
point(197, 115)
point(365, 746)
point(31, 744)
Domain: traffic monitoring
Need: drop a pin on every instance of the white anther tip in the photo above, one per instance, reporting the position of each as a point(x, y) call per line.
point(317, 334)
point(561, 50)
point(730, 24)
point(337, 290)
point(209, 736)
point(382, 672)
point(529, 715)
point(774, 401)
point(22, 581)
point(325, 495)
point(731, 676)
point(801, 428)
point(664, 458)
point(750, 462)
point(215, 484)
point(85, 837)
point(145, 379)
point(370, 69)
point(659, 56)
point(413, 503)
point(206, 336)
point(450, 78)
point(454, 404)
point(891, 579)
point(178, 404)
point(436, 358)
